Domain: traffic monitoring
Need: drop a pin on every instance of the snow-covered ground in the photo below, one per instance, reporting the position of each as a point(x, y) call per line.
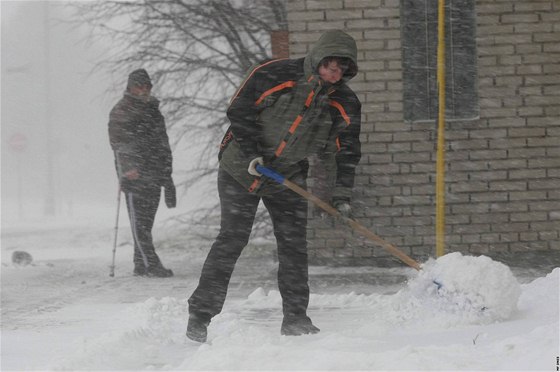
point(64, 312)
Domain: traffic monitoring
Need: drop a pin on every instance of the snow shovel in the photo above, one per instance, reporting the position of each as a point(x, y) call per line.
point(362, 230)
point(332, 211)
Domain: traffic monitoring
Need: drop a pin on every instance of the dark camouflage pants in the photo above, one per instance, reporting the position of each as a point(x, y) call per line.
point(288, 212)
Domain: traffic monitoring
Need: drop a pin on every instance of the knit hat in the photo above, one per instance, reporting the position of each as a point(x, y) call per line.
point(138, 78)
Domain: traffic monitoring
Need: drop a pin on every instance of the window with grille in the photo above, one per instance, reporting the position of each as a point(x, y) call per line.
point(419, 60)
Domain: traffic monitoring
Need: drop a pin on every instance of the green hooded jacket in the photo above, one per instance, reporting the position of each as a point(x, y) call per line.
point(285, 113)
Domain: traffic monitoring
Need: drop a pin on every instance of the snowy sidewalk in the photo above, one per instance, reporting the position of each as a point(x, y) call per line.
point(65, 312)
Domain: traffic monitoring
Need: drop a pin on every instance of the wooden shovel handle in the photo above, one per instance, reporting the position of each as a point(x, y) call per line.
point(354, 225)
point(332, 211)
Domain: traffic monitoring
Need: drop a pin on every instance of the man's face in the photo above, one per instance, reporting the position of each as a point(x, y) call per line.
point(331, 73)
point(141, 91)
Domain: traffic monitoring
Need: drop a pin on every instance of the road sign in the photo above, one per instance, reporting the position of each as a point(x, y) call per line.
point(18, 142)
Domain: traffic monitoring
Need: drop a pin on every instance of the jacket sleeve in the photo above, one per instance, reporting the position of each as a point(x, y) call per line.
point(122, 141)
point(244, 108)
point(346, 113)
point(166, 156)
point(242, 113)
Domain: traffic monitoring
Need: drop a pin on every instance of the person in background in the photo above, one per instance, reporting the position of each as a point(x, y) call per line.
point(143, 161)
point(284, 112)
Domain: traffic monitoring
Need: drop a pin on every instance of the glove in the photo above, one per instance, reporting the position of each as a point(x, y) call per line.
point(343, 207)
point(253, 166)
point(132, 174)
point(170, 194)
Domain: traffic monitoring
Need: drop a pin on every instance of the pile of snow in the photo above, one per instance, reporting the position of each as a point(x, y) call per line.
point(358, 332)
point(541, 298)
point(149, 335)
point(466, 289)
point(65, 313)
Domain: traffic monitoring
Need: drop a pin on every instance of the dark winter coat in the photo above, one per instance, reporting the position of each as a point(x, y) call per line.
point(139, 139)
point(283, 112)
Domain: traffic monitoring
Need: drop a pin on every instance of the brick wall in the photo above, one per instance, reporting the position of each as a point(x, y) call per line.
point(280, 43)
point(502, 171)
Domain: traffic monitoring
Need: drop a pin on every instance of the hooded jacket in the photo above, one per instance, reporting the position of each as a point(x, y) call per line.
point(139, 139)
point(284, 112)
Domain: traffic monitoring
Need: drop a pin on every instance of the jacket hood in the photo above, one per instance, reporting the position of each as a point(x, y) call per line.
point(138, 78)
point(333, 43)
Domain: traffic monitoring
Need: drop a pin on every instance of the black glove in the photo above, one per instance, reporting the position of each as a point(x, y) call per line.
point(343, 207)
point(170, 194)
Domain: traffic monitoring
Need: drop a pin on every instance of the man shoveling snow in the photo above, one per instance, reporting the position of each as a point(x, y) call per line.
point(285, 111)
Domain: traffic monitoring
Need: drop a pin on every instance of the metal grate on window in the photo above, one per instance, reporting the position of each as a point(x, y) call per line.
point(419, 60)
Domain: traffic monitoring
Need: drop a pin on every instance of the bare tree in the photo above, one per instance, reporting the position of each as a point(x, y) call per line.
point(197, 52)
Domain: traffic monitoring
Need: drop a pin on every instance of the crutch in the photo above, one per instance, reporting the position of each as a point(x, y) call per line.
point(112, 267)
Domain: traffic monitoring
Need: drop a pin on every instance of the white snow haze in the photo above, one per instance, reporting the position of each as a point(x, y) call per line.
point(50, 101)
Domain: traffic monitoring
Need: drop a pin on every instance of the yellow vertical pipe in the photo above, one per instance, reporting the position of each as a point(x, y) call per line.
point(440, 164)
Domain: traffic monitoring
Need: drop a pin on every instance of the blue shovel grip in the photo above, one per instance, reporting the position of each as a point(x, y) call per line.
point(270, 174)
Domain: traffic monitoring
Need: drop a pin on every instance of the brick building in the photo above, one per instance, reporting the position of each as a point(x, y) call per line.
point(502, 162)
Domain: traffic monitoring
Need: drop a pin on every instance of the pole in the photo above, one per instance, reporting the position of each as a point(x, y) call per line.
point(50, 198)
point(440, 164)
point(116, 232)
point(20, 187)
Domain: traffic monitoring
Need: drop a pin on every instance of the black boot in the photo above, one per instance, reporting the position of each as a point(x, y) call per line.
point(159, 272)
point(297, 325)
point(153, 271)
point(140, 271)
point(197, 329)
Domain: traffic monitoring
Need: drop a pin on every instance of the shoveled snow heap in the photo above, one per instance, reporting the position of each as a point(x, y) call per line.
point(476, 289)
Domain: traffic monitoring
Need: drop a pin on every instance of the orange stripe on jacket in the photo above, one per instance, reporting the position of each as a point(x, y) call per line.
point(339, 107)
point(280, 148)
point(295, 124)
point(254, 185)
point(309, 99)
point(252, 72)
point(287, 84)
